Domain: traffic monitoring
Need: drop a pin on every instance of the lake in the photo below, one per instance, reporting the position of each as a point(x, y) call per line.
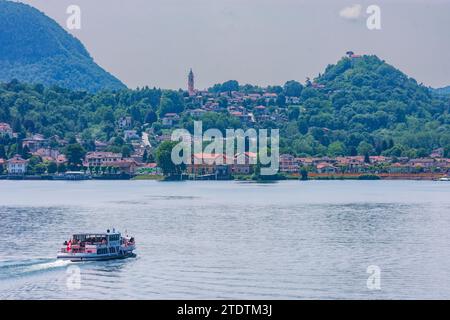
point(230, 240)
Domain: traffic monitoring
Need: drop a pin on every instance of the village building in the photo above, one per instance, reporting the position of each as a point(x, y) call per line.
point(293, 100)
point(422, 164)
point(354, 164)
point(197, 113)
point(163, 137)
point(289, 164)
point(379, 159)
point(170, 119)
point(399, 168)
point(35, 143)
point(100, 159)
point(130, 135)
point(123, 166)
point(244, 163)
point(48, 154)
point(5, 130)
point(270, 97)
point(61, 159)
point(203, 164)
point(325, 167)
point(17, 165)
point(125, 122)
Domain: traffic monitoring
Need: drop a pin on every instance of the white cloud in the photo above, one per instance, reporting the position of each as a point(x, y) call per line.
point(351, 13)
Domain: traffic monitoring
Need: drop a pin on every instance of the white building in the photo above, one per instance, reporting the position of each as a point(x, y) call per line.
point(130, 135)
point(5, 130)
point(17, 165)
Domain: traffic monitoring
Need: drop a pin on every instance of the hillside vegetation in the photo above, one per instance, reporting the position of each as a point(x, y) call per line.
point(358, 106)
point(35, 49)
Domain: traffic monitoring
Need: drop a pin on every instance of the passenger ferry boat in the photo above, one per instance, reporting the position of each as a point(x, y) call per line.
point(97, 246)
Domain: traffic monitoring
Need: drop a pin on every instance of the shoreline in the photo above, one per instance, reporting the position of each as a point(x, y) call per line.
point(311, 177)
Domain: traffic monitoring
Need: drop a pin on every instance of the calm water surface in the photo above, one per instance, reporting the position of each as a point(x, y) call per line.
point(207, 240)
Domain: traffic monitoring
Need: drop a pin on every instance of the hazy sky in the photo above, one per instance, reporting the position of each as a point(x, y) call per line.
point(155, 42)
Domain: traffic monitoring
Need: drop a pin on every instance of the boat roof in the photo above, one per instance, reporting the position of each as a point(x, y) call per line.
point(96, 234)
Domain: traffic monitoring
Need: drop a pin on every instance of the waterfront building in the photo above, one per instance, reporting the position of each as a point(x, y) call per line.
point(17, 165)
point(326, 167)
point(288, 164)
point(244, 163)
point(100, 159)
point(209, 164)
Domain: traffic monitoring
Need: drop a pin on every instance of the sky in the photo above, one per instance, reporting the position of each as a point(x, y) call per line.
point(262, 42)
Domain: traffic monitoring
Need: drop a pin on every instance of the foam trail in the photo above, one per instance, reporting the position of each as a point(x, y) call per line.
point(48, 265)
point(22, 268)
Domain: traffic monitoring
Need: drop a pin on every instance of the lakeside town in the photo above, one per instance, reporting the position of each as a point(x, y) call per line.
point(47, 161)
point(130, 153)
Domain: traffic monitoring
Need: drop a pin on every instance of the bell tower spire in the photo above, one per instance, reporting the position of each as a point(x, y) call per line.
point(191, 85)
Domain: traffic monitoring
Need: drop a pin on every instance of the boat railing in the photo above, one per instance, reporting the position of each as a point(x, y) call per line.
point(87, 248)
point(73, 250)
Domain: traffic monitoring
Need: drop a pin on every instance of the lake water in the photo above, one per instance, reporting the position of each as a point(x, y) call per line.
point(208, 240)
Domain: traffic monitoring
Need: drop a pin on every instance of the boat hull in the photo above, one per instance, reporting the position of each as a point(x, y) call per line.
point(79, 257)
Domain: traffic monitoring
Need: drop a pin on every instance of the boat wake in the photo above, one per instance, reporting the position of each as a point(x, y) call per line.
point(10, 269)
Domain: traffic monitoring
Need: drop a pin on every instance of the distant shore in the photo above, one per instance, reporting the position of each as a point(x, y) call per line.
point(311, 176)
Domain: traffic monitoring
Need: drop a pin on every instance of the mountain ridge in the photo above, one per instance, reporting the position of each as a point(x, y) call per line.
point(36, 49)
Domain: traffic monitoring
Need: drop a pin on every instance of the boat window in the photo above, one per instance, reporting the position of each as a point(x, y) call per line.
point(102, 251)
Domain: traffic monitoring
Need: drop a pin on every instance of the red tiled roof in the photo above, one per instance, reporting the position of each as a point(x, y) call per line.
point(17, 160)
point(100, 155)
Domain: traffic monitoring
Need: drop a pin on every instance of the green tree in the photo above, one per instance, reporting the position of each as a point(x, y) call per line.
point(293, 89)
point(2, 152)
point(151, 117)
point(75, 154)
point(365, 148)
point(62, 168)
point(126, 151)
point(52, 167)
point(303, 174)
point(164, 159)
point(336, 148)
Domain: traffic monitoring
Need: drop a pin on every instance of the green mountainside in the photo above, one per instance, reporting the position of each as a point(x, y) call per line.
point(35, 49)
point(358, 106)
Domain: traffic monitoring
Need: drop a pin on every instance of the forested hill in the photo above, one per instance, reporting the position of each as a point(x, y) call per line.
point(358, 106)
point(35, 49)
point(443, 91)
point(362, 104)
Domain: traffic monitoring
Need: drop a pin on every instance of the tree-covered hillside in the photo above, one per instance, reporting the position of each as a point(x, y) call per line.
point(35, 49)
point(363, 105)
point(359, 106)
point(442, 91)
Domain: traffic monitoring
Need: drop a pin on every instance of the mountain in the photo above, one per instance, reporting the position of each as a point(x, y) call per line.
point(36, 49)
point(443, 91)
